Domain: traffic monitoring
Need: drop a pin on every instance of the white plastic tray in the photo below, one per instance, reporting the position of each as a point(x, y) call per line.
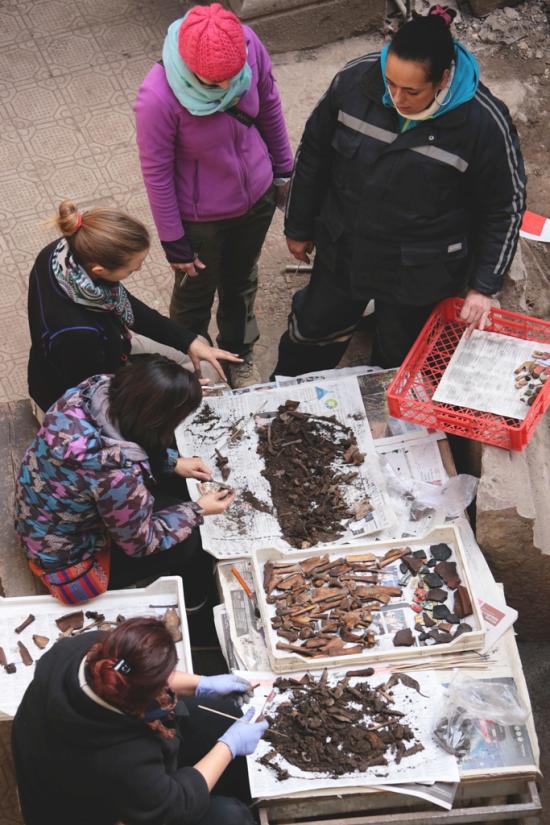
point(165, 592)
point(283, 661)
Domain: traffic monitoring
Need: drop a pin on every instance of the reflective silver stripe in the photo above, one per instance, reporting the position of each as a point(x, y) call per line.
point(366, 128)
point(518, 199)
point(440, 154)
point(335, 338)
point(386, 136)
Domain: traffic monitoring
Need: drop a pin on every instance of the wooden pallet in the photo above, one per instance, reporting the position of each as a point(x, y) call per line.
point(476, 802)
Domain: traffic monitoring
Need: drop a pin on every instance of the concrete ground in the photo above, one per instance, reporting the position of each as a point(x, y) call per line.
point(68, 76)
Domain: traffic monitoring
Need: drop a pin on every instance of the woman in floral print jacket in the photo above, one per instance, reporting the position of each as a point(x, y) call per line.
point(101, 500)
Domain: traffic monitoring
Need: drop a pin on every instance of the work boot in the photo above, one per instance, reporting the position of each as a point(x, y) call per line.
point(245, 374)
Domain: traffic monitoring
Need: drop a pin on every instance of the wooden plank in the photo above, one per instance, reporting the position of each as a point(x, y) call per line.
point(447, 456)
point(17, 429)
point(10, 813)
point(530, 806)
point(376, 802)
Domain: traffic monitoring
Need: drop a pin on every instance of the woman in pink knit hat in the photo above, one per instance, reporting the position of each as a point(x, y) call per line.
point(216, 160)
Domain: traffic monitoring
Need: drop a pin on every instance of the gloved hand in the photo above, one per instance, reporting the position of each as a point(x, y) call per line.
point(221, 685)
point(243, 736)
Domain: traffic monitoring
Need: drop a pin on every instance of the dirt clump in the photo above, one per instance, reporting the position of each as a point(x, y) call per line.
point(336, 729)
point(305, 456)
point(249, 497)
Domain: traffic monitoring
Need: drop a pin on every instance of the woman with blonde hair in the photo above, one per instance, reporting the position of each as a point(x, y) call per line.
point(82, 320)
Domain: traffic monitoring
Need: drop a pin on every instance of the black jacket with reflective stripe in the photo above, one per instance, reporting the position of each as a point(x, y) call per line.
point(428, 210)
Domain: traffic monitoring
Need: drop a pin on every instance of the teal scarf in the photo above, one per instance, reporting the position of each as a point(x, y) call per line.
point(193, 95)
point(463, 87)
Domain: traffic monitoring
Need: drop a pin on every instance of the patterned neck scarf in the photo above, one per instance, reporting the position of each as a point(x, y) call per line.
point(81, 289)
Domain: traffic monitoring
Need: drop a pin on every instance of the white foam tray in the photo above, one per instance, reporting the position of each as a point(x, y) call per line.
point(132, 602)
point(283, 661)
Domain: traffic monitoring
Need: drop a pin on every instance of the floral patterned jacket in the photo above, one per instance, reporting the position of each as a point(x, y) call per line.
point(81, 487)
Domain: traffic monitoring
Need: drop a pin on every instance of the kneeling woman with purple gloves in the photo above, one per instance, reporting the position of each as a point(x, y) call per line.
point(110, 732)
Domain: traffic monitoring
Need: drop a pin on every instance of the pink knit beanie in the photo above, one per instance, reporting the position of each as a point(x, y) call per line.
point(211, 42)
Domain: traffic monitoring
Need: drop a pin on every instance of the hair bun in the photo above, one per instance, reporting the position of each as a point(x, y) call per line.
point(446, 14)
point(69, 219)
point(109, 683)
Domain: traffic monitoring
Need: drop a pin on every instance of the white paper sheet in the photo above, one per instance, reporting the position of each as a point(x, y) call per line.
point(430, 765)
point(480, 374)
point(497, 619)
point(245, 628)
point(441, 794)
point(242, 528)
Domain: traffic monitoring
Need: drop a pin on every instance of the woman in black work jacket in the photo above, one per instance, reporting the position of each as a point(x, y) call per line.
point(410, 184)
point(108, 731)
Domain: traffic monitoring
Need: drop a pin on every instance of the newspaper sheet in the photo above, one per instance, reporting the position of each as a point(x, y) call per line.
point(384, 427)
point(325, 375)
point(223, 631)
point(480, 374)
point(373, 383)
point(430, 765)
point(245, 627)
point(497, 619)
point(418, 458)
point(228, 424)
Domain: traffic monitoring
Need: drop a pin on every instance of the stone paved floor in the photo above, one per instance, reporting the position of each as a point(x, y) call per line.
point(68, 76)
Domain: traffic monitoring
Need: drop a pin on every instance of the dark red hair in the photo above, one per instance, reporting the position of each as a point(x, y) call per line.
point(149, 655)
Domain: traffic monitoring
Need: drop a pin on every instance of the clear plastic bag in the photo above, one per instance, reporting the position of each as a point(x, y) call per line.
point(414, 499)
point(469, 700)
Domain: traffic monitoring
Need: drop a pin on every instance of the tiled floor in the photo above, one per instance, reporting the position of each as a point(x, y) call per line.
point(68, 76)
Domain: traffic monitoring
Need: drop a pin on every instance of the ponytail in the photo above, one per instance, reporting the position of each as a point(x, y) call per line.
point(132, 663)
point(106, 237)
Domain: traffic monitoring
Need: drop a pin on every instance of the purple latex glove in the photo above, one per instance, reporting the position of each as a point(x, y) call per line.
point(222, 685)
point(243, 736)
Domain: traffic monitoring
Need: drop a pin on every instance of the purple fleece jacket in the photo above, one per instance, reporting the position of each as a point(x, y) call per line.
point(212, 167)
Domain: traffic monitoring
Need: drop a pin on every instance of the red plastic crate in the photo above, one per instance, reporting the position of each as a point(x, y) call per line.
point(410, 393)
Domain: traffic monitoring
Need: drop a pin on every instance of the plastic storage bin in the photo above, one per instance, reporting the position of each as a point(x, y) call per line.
point(410, 393)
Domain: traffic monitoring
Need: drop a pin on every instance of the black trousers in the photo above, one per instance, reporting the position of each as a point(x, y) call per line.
point(230, 250)
point(325, 314)
point(186, 559)
point(199, 733)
